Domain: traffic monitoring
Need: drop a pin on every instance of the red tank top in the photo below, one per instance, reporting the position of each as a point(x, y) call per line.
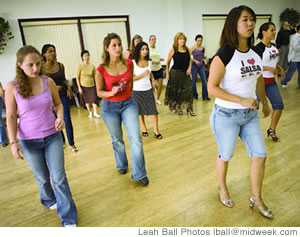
point(122, 81)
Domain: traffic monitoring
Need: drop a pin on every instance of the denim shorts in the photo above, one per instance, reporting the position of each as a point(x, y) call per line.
point(229, 124)
point(158, 74)
point(272, 92)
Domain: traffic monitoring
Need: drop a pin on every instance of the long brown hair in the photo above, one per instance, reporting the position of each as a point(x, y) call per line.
point(24, 87)
point(177, 36)
point(229, 36)
point(106, 43)
point(132, 46)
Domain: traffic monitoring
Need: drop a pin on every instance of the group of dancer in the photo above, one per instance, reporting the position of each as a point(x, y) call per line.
point(238, 73)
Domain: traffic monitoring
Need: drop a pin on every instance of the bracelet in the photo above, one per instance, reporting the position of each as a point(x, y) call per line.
point(13, 142)
point(264, 102)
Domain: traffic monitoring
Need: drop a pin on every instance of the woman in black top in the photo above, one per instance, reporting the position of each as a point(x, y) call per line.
point(179, 92)
point(56, 71)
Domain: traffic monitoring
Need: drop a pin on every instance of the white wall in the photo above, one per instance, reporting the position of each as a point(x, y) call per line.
point(161, 17)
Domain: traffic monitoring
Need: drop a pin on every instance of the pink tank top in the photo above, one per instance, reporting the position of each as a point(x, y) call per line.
point(37, 118)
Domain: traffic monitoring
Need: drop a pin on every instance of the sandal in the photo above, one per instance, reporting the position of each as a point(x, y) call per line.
point(225, 202)
point(74, 149)
point(158, 136)
point(145, 134)
point(272, 133)
point(261, 207)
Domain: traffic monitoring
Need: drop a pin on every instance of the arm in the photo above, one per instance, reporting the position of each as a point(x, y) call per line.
point(188, 71)
point(152, 80)
point(1, 90)
point(78, 79)
point(59, 122)
point(270, 69)
point(170, 55)
point(217, 71)
point(137, 77)
point(261, 92)
point(69, 91)
point(100, 87)
point(282, 72)
point(11, 116)
point(192, 58)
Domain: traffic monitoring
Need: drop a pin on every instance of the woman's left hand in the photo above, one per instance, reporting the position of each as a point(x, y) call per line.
point(59, 124)
point(266, 110)
point(282, 74)
point(69, 93)
point(188, 71)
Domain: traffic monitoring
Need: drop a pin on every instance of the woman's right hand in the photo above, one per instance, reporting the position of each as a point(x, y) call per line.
point(167, 76)
point(249, 103)
point(17, 151)
point(115, 90)
point(80, 90)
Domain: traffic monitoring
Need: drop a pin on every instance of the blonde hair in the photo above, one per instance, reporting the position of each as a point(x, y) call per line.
point(24, 87)
point(176, 38)
point(132, 46)
point(106, 43)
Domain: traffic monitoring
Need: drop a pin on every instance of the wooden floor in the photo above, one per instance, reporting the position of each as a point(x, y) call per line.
point(181, 169)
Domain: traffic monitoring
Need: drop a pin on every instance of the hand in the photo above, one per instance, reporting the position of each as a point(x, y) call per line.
point(153, 84)
point(188, 71)
point(1, 92)
point(147, 72)
point(69, 93)
point(17, 151)
point(80, 90)
point(279, 51)
point(197, 62)
point(167, 76)
point(273, 70)
point(282, 73)
point(266, 110)
point(59, 124)
point(115, 90)
point(249, 103)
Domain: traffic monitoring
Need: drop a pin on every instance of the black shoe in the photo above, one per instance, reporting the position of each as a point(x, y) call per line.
point(144, 181)
point(123, 171)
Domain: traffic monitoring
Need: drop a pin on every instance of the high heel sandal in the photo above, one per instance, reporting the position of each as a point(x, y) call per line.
point(272, 133)
point(191, 113)
point(228, 202)
point(74, 149)
point(158, 135)
point(145, 134)
point(261, 207)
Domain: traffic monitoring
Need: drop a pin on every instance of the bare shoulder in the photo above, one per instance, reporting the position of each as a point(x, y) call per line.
point(10, 86)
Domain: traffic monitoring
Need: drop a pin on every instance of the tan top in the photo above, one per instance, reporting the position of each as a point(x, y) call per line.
point(86, 74)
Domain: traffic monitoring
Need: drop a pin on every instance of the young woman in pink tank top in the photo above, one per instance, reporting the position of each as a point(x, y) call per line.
point(40, 142)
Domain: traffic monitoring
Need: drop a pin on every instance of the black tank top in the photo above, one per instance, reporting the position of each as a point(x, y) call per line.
point(181, 61)
point(59, 79)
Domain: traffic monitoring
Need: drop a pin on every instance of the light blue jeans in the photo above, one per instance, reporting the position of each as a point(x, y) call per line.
point(288, 76)
point(126, 111)
point(201, 71)
point(46, 159)
point(229, 124)
point(3, 134)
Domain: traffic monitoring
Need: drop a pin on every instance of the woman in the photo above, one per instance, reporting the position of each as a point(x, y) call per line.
point(197, 52)
point(86, 83)
point(142, 89)
point(3, 135)
point(267, 32)
point(179, 91)
point(56, 71)
point(135, 40)
point(156, 68)
point(40, 141)
point(235, 77)
point(114, 85)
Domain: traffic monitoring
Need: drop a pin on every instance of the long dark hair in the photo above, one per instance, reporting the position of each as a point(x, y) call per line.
point(45, 48)
point(229, 36)
point(137, 52)
point(264, 27)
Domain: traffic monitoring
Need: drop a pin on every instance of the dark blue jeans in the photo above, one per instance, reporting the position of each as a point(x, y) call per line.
point(67, 118)
point(288, 76)
point(201, 71)
point(3, 134)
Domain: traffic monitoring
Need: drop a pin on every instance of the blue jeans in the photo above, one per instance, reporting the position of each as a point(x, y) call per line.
point(126, 111)
point(201, 71)
point(288, 76)
point(273, 93)
point(67, 118)
point(3, 135)
point(46, 159)
point(229, 124)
